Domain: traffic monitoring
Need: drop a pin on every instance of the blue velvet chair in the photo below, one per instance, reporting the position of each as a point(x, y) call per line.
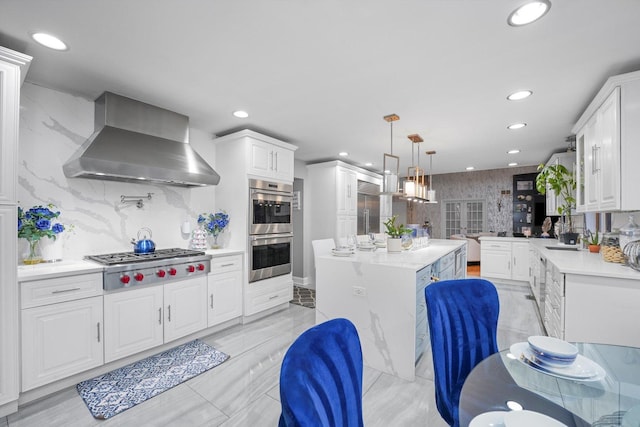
point(463, 322)
point(321, 378)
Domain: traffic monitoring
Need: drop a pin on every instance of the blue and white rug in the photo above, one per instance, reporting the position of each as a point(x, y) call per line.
point(123, 388)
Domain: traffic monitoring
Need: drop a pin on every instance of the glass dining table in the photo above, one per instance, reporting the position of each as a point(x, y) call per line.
point(610, 399)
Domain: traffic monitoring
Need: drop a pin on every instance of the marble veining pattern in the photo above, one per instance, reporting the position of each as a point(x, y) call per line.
point(244, 391)
point(53, 125)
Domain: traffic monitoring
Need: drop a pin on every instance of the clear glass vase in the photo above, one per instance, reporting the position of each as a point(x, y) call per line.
point(34, 256)
point(215, 244)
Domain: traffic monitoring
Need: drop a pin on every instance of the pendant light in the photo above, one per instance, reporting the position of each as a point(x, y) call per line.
point(413, 187)
point(431, 193)
point(390, 163)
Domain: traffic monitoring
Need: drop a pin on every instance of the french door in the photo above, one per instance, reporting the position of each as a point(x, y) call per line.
point(463, 217)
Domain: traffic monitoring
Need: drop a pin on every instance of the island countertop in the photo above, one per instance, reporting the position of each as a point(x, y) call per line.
point(413, 259)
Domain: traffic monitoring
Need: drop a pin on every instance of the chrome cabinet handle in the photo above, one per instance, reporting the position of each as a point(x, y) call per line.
point(276, 162)
point(227, 265)
point(160, 316)
point(211, 300)
point(169, 314)
point(98, 326)
point(273, 297)
point(62, 291)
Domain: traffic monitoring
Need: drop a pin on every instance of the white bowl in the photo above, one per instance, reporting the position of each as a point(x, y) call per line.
point(553, 349)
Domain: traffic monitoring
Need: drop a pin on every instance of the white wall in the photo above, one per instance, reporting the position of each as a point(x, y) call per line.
point(53, 125)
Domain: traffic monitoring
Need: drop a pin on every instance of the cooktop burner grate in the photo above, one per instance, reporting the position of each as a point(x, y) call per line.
point(131, 257)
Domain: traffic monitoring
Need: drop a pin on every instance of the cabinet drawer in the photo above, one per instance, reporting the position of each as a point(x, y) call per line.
point(257, 303)
point(497, 246)
point(48, 291)
point(225, 264)
point(447, 261)
point(422, 338)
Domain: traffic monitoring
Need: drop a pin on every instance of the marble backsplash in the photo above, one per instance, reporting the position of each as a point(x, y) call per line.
point(53, 125)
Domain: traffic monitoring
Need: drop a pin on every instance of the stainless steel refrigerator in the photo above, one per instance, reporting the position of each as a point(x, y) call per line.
point(368, 208)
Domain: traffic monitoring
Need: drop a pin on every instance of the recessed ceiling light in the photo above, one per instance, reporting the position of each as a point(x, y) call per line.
point(517, 96)
point(47, 40)
point(470, 168)
point(368, 164)
point(516, 126)
point(513, 164)
point(513, 151)
point(241, 114)
point(529, 12)
point(343, 154)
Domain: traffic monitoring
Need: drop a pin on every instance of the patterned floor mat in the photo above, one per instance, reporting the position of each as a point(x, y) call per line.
point(304, 296)
point(123, 388)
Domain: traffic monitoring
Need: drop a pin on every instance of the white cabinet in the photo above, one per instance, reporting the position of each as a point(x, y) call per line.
point(552, 199)
point(270, 161)
point(346, 191)
point(13, 68)
point(61, 328)
point(268, 293)
point(224, 289)
point(139, 319)
point(332, 198)
point(554, 305)
point(504, 259)
point(133, 321)
point(607, 149)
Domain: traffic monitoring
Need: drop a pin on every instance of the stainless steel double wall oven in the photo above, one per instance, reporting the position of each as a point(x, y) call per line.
point(270, 229)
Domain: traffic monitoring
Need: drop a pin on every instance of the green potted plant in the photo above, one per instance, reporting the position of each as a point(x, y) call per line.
point(593, 241)
point(559, 179)
point(395, 233)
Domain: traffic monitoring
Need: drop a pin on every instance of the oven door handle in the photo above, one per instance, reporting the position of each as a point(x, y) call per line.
point(285, 196)
point(277, 238)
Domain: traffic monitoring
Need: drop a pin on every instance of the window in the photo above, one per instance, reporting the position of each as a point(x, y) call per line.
point(463, 217)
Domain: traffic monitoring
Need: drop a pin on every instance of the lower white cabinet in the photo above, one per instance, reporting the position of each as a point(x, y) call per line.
point(265, 294)
point(139, 319)
point(59, 340)
point(504, 259)
point(224, 289)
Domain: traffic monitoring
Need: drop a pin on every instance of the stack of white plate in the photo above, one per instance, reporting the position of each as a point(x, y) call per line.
point(558, 358)
point(367, 246)
point(342, 251)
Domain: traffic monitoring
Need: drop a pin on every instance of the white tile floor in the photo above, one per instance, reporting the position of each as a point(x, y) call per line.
point(244, 391)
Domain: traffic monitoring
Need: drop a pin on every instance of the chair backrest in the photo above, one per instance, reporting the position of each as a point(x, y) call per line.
point(463, 322)
point(321, 378)
point(322, 247)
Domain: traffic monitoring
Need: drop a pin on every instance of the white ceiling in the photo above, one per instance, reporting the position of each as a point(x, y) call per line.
point(322, 74)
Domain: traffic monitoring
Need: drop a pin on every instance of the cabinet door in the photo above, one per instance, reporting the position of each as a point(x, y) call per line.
point(346, 192)
point(520, 261)
point(260, 158)
point(345, 226)
point(59, 340)
point(580, 171)
point(590, 160)
point(495, 263)
point(185, 304)
point(133, 322)
point(608, 154)
point(225, 297)
point(282, 164)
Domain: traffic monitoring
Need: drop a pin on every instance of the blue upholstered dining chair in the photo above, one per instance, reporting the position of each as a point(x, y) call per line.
point(463, 322)
point(321, 378)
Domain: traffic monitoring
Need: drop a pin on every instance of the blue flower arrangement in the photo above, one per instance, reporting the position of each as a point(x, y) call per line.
point(36, 223)
point(39, 222)
point(214, 223)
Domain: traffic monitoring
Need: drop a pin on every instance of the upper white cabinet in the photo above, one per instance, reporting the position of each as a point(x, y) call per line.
point(346, 191)
point(270, 161)
point(552, 199)
point(607, 149)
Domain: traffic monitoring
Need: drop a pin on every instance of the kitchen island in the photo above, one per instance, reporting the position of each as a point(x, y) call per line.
point(383, 295)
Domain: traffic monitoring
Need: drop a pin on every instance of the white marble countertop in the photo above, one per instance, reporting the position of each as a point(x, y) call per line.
point(504, 239)
point(72, 267)
point(412, 259)
point(582, 261)
point(48, 270)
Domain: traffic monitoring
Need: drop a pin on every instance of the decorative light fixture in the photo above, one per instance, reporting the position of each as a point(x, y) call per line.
point(431, 193)
point(414, 183)
point(390, 163)
point(528, 13)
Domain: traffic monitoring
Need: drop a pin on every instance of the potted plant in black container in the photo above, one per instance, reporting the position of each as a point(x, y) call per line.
point(559, 179)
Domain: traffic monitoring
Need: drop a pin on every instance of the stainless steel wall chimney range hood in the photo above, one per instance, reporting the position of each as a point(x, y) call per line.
point(137, 142)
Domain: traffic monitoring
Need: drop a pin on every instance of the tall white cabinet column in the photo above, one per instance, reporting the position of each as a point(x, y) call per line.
point(13, 68)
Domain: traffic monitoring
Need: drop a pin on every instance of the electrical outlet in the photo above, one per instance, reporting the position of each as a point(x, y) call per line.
point(359, 291)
